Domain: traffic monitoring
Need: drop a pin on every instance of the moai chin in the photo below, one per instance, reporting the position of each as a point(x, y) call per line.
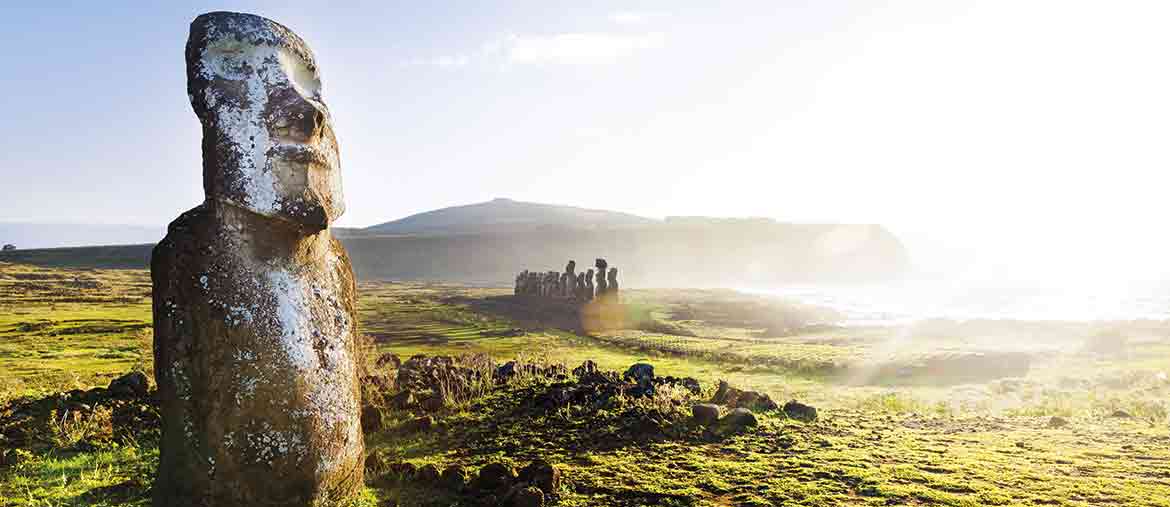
point(254, 300)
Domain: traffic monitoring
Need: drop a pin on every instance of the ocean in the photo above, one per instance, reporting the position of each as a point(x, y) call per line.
point(911, 301)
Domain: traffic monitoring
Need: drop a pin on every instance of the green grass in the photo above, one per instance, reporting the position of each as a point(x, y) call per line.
point(985, 443)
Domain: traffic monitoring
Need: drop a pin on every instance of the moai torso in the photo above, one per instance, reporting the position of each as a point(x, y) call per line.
point(254, 306)
point(255, 337)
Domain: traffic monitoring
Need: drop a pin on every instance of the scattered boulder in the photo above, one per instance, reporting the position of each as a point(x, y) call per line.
point(403, 470)
point(371, 419)
point(738, 420)
point(495, 476)
point(588, 367)
point(424, 423)
point(1121, 414)
point(705, 414)
point(640, 372)
point(1057, 422)
point(428, 473)
point(454, 478)
point(389, 361)
point(737, 398)
point(799, 411)
point(376, 465)
point(431, 403)
point(542, 475)
point(528, 497)
point(402, 400)
point(131, 384)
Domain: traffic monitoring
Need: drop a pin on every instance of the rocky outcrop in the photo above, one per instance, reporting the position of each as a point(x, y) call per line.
point(254, 300)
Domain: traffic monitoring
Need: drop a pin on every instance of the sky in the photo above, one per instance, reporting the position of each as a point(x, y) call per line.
point(1029, 134)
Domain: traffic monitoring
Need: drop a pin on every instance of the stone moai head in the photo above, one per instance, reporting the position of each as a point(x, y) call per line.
point(268, 142)
point(612, 275)
point(571, 267)
point(600, 264)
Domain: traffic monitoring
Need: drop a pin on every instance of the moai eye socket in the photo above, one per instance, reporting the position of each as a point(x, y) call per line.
point(302, 77)
point(228, 59)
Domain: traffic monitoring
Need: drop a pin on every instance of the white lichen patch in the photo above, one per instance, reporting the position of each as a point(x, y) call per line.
point(243, 123)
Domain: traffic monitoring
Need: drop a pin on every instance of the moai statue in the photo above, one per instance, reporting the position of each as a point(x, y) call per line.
point(254, 300)
point(570, 279)
point(612, 279)
point(519, 283)
point(601, 282)
point(589, 285)
point(579, 287)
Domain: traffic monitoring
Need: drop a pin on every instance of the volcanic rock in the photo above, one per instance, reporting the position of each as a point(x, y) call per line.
point(799, 411)
point(705, 414)
point(130, 384)
point(543, 475)
point(255, 323)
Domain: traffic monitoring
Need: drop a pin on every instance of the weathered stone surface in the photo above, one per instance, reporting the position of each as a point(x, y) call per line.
point(376, 465)
point(799, 411)
point(130, 384)
point(602, 283)
point(424, 423)
point(640, 372)
point(737, 420)
point(587, 367)
point(454, 478)
point(705, 414)
point(528, 497)
point(401, 400)
point(495, 476)
point(254, 305)
point(428, 473)
point(542, 475)
point(371, 419)
point(733, 397)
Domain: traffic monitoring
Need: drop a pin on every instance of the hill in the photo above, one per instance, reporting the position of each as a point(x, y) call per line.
point(504, 215)
point(51, 235)
point(488, 243)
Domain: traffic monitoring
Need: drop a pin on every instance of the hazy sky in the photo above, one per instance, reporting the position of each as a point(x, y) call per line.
point(1030, 130)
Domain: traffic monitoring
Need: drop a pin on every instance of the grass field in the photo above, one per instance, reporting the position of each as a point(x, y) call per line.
point(879, 440)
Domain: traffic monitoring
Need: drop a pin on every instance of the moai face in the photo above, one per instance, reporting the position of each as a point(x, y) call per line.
point(268, 142)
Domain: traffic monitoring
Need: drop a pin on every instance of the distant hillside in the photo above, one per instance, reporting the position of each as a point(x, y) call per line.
point(490, 242)
point(35, 235)
point(501, 215)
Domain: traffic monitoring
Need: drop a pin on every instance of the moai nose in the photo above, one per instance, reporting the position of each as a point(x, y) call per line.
point(309, 121)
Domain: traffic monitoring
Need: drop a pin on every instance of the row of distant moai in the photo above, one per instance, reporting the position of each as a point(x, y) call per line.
point(570, 284)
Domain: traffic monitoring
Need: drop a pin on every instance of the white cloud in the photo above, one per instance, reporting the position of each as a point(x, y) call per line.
point(580, 48)
point(628, 18)
point(561, 48)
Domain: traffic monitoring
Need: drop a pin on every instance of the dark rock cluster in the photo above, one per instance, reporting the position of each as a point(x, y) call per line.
point(494, 484)
point(133, 413)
